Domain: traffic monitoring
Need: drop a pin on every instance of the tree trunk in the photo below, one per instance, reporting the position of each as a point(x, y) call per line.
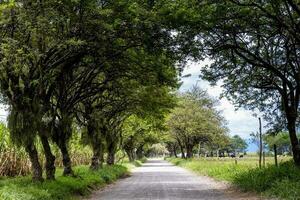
point(111, 148)
point(294, 139)
point(96, 144)
point(111, 157)
point(181, 149)
point(260, 143)
point(37, 171)
point(174, 151)
point(140, 152)
point(130, 154)
point(199, 149)
point(189, 151)
point(264, 158)
point(66, 158)
point(182, 152)
point(96, 161)
point(50, 159)
point(275, 155)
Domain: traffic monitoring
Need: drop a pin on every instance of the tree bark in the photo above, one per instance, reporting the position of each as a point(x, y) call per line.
point(275, 155)
point(97, 147)
point(294, 139)
point(260, 143)
point(111, 153)
point(174, 151)
point(182, 152)
point(66, 158)
point(37, 171)
point(181, 149)
point(189, 151)
point(96, 161)
point(139, 152)
point(50, 159)
point(111, 157)
point(130, 154)
point(199, 149)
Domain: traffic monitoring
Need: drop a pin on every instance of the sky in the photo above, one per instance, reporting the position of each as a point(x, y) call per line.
point(240, 122)
point(3, 113)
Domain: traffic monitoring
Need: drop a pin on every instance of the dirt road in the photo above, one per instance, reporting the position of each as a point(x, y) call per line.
point(158, 179)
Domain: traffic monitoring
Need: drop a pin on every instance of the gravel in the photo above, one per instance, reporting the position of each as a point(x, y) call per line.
point(158, 179)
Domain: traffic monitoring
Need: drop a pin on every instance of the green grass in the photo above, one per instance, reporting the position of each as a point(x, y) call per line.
point(63, 187)
point(282, 182)
point(136, 163)
point(143, 160)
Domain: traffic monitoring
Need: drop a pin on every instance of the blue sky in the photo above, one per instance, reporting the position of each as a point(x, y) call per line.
point(240, 122)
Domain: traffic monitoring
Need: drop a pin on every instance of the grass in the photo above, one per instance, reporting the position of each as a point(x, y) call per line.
point(282, 182)
point(63, 187)
point(136, 163)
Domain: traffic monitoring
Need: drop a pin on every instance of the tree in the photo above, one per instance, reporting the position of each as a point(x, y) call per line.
point(255, 49)
point(56, 56)
point(194, 120)
point(281, 140)
point(158, 149)
point(238, 144)
point(139, 134)
point(23, 81)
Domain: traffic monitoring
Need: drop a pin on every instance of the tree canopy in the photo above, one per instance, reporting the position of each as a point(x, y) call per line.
point(254, 47)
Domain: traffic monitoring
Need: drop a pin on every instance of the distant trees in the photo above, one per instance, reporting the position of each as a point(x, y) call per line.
point(194, 120)
point(140, 133)
point(238, 144)
point(278, 143)
point(281, 141)
point(158, 150)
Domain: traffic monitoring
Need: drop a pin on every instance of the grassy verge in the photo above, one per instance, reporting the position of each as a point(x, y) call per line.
point(282, 182)
point(136, 163)
point(63, 187)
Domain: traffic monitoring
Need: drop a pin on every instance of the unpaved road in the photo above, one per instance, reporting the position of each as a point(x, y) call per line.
point(158, 179)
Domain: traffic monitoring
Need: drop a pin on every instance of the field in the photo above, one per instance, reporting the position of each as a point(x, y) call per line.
point(282, 182)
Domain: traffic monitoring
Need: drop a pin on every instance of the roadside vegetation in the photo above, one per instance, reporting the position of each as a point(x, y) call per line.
point(65, 187)
point(197, 139)
point(281, 182)
point(95, 82)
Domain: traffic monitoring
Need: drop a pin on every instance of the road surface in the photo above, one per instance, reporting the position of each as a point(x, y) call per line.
point(158, 179)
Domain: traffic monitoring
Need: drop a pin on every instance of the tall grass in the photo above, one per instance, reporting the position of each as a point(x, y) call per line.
point(14, 160)
point(281, 182)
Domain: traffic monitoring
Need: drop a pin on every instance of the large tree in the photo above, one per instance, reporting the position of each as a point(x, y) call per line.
point(254, 46)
